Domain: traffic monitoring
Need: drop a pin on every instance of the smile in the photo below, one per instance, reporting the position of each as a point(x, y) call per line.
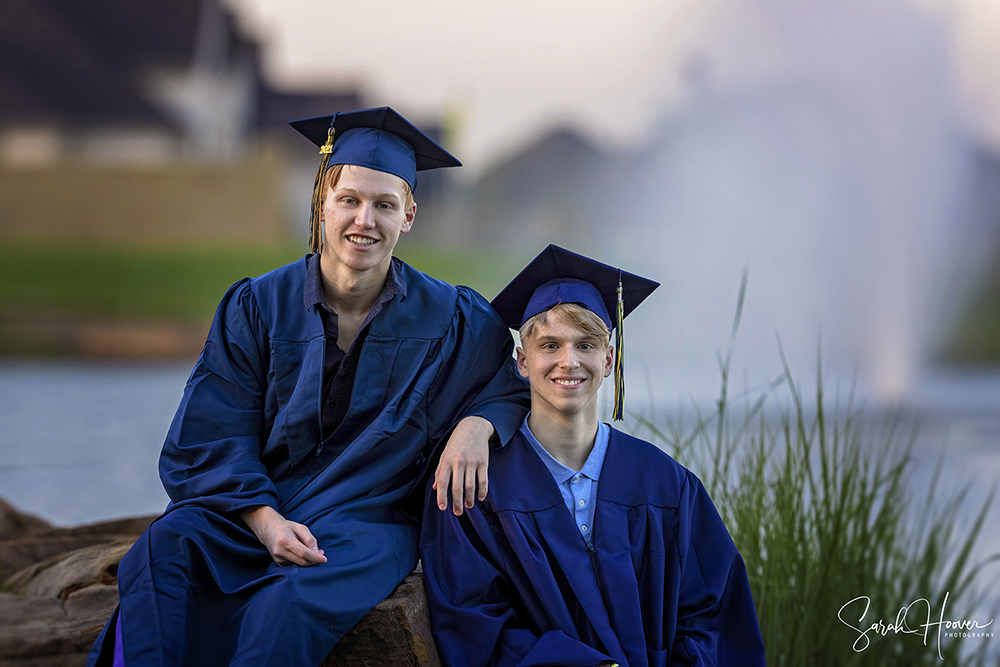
point(361, 240)
point(568, 383)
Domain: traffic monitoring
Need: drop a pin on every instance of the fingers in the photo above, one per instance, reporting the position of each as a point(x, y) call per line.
point(463, 465)
point(470, 486)
point(458, 488)
point(296, 544)
point(442, 478)
point(295, 552)
point(305, 537)
point(484, 482)
point(305, 547)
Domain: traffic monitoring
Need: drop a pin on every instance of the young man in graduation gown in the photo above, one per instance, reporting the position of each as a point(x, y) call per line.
point(593, 547)
point(315, 407)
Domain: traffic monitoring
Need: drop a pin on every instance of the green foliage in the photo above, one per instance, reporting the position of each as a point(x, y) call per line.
point(183, 283)
point(821, 516)
point(123, 282)
point(976, 339)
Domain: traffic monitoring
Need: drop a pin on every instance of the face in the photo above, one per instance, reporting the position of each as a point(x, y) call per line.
point(363, 216)
point(565, 367)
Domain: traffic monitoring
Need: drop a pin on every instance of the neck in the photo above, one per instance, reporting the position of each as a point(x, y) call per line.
point(352, 292)
point(568, 438)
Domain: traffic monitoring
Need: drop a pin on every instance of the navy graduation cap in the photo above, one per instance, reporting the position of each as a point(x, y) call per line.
point(558, 275)
point(376, 138)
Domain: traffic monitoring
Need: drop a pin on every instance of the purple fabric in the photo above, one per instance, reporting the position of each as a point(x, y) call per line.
point(119, 652)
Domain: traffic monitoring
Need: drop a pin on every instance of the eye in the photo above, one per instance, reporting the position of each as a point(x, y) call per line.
point(349, 200)
point(550, 346)
point(386, 206)
point(586, 346)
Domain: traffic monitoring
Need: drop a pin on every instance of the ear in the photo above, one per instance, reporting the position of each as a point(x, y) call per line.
point(522, 362)
point(408, 219)
point(609, 361)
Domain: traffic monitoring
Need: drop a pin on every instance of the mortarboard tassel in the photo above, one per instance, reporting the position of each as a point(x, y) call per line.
point(315, 228)
point(619, 355)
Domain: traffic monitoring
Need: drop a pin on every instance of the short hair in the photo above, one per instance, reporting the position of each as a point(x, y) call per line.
point(332, 176)
point(576, 315)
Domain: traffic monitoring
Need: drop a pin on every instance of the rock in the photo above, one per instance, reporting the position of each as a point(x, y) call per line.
point(60, 576)
point(28, 540)
point(396, 633)
point(15, 524)
point(130, 526)
point(16, 555)
point(46, 632)
point(56, 608)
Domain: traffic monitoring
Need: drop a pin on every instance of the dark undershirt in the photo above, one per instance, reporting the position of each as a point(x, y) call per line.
point(339, 367)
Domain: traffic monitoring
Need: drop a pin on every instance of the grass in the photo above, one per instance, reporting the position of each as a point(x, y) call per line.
point(183, 283)
point(977, 338)
point(821, 517)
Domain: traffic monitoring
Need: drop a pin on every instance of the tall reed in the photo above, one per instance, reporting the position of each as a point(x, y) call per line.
point(821, 513)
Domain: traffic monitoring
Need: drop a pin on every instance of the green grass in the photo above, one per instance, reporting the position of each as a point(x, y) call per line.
point(183, 283)
point(821, 517)
point(977, 338)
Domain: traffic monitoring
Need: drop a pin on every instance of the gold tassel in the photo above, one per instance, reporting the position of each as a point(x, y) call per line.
point(617, 414)
point(315, 228)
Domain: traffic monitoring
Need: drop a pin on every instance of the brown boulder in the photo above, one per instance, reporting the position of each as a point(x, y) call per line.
point(55, 609)
point(130, 526)
point(60, 576)
point(15, 524)
point(47, 632)
point(26, 540)
point(396, 633)
point(16, 555)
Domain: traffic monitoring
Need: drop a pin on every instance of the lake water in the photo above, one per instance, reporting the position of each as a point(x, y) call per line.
point(79, 442)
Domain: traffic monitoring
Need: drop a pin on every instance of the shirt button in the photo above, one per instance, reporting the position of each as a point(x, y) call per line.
point(583, 528)
point(582, 503)
point(576, 479)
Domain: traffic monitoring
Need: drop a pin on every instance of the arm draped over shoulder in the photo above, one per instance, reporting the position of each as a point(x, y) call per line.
point(481, 363)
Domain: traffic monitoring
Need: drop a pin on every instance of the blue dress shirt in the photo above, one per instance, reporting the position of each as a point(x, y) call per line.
point(578, 488)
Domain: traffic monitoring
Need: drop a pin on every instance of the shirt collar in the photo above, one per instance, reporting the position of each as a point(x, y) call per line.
point(313, 292)
point(561, 473)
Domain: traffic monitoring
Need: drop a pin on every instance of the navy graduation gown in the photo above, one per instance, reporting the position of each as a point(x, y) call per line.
point(512, 581)
point(198, 587)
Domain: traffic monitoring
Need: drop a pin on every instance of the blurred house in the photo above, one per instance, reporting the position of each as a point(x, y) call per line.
point(550, 190)
point(149, 121)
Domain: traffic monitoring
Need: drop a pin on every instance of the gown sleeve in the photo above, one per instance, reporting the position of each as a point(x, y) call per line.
point(716, 620)
point(473, 619)
point(212, 453)
point(480, 373)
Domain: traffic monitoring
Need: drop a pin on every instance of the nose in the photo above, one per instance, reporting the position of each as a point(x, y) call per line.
point(365, 216)
point(568, 358)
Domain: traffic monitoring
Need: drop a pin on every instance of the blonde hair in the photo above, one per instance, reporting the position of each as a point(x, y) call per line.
point(332, 176)
point(575, 315)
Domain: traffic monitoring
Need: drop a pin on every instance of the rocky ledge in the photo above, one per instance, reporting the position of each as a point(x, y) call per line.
point(61, 587)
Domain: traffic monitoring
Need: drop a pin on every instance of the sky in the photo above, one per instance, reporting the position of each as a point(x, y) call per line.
point(501, 74)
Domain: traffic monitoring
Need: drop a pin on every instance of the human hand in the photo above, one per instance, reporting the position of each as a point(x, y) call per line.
point(287, 541)
point(463, 463)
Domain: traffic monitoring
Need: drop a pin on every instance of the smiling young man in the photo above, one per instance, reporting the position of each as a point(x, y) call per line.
point(593, 547)
point(318, 403)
